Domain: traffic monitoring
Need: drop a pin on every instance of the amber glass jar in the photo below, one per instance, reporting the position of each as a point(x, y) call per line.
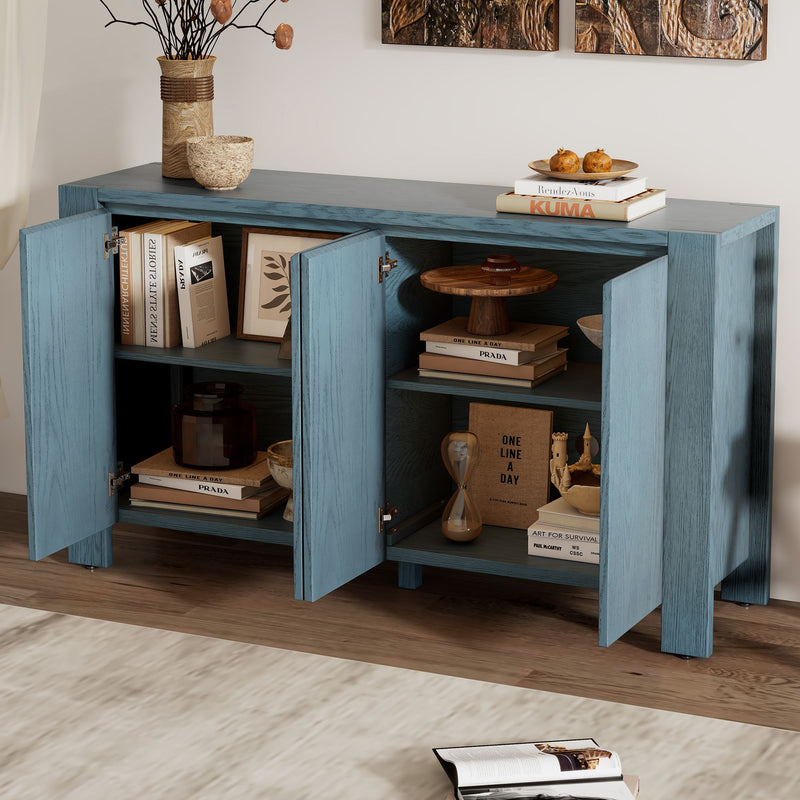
point(213, 427)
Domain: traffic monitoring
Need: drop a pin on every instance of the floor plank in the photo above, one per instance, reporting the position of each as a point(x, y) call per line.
point(505, 631)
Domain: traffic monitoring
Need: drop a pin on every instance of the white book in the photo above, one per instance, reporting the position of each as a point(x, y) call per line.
point(560, 512)
point(231, 490)
point(202, 292)
point(614, 189)
point(495, 354)
point(542, 543)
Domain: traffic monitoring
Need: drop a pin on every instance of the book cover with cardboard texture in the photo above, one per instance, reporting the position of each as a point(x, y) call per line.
point(163, 463)
point(530, 371)
point(512, 476)
point(522, 336)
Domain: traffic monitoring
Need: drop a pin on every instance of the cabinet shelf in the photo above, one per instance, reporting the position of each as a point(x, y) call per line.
point(579, 387)
point(234, 355)
point(497, 551)
point(272, 528)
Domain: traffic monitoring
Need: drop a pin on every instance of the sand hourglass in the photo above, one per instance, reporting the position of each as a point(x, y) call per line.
point(461, 521)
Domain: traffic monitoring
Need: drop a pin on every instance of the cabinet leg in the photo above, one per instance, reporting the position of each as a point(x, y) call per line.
point(409, 576)
point(687, 619)
point(93, 551)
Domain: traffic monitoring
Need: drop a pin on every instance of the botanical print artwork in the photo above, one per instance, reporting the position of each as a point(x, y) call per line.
point(274, 299)
point(508, 24)
point(735, 29)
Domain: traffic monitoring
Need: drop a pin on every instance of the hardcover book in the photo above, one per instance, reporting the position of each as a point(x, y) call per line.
point(497, 355)
point(131, 283)
point(164, 464)
point(560, 512)
point(259, 504)
point(520, 383)
point(621, 211)
point(564, 544)
point(613, 189)
point(202, 292)
point(163, 315)
point(512, 476)
point(567, 768)
point(530, 371)
point(526, 336)
point(231, 490)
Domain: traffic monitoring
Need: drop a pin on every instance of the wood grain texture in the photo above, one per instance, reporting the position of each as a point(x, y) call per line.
point(67, 322)
point(515, 632)
point(688, 585)
point(632, 457)
point(339, 445)
point(749, 582)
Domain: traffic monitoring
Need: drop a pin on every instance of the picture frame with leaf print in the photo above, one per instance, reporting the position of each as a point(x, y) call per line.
point(265, 301)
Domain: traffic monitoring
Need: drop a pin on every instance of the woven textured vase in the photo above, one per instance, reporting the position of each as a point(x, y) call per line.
point(187, 92)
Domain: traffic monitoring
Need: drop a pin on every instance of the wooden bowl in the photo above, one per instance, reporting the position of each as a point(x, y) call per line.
point(220, 162)
point(592, 327)
point(619, 167)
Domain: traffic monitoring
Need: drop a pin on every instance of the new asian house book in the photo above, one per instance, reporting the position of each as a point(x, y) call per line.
point(621, 211)
point(202, 291)
point(161, 289)
point(571, 768)
point(560, 512)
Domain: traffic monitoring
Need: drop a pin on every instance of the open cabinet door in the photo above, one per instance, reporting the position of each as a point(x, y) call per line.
point(634, 397)
point(68, 352)
point(338, 334)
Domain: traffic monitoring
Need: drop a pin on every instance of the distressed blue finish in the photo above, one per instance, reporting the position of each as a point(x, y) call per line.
point(632, 447)
point(749, 582)
point(338, 344)
point(67, 323)
point(712, 364)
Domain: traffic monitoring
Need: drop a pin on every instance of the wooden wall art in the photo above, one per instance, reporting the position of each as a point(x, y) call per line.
point(508, 24)
point(735, 29)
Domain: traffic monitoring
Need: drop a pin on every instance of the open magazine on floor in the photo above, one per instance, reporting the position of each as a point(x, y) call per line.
point(567, 768)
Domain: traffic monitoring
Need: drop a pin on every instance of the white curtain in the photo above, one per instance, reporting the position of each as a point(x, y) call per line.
point(23, 27)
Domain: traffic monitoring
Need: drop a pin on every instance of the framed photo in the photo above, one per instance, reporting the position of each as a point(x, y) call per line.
point(265, 302)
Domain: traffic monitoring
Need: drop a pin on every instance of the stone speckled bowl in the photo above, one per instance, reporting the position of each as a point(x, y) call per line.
point(220, 162)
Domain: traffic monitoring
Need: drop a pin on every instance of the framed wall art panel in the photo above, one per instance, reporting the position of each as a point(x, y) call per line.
point(498, 24)
point(732, 29)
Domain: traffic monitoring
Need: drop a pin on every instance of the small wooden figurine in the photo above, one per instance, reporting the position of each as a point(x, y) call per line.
point(578, 483)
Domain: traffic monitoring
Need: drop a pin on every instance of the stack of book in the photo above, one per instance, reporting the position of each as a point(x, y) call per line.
point(562, 531)
point(172, 285)
point(624, 199)
point(525, 356)
point(249, 492)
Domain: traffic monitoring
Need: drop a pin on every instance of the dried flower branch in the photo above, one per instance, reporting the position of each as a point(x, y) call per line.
point(191, 28)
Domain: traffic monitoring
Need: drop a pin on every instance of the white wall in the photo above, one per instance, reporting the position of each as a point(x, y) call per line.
point(341, 102)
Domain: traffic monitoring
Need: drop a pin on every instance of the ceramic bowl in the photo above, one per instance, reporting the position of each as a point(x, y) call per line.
point(220, 162)
point(592, 328)
point(279, 459)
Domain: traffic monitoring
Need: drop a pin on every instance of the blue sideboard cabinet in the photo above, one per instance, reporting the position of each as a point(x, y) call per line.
point(680, 397)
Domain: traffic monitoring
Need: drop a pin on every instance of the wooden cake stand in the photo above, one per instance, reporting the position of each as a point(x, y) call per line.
point(489, 284)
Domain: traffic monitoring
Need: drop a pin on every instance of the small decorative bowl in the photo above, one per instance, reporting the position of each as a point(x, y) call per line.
point(220, 162)
point(592, 327)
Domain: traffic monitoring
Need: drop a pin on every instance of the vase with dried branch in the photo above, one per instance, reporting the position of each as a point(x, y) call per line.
point(188, 32)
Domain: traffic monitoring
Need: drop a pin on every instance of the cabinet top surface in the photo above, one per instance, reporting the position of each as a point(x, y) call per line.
point(403, 202)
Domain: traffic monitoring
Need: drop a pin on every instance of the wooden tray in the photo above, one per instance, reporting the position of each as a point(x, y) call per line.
point(618, 169)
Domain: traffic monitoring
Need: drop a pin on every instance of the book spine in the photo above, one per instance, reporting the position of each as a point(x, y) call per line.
point(564, 534)
point(126, 320)
point(558, 207)
point(590, 525)
point(542, 544)
point(578, 190)
point(184, 299)
point(233, 491)
point(529, 371)
point(492, 354)
point(137, 287)
point(154, 298)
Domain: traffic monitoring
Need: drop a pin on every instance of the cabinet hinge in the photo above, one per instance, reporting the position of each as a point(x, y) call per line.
point(117, 479)
point(385, 266)
point(385, 514)
point(111, 242)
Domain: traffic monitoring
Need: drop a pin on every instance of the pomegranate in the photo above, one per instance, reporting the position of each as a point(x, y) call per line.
point(597, 161)
point(565, 161)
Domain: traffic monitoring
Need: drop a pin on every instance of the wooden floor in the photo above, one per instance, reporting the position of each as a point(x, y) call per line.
point(506, 631)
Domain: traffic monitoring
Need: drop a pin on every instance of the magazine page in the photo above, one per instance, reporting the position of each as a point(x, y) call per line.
point(590, 790)
point(529, 762)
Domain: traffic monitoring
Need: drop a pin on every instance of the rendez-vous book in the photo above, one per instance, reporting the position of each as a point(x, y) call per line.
point(561, 768)
point(613, 189)
point(622, 211)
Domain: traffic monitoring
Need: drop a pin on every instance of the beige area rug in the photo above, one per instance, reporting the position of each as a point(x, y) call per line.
point(92, 709)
